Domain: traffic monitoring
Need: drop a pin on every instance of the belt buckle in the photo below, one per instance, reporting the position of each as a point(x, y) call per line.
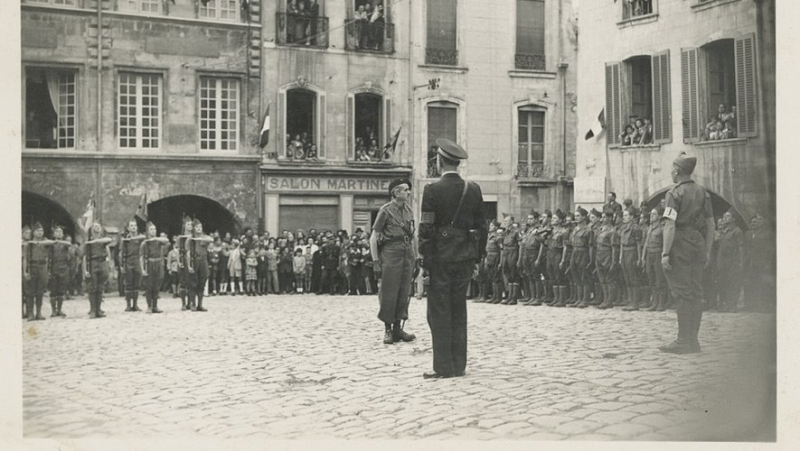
point(406, 239)
point(444, 232)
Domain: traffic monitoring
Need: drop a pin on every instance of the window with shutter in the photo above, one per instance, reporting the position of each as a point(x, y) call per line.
point(302, 124)
point(662, 112)
point(349, 128)
point(320, 128)
point(746, 101)
point(367, 127)
point(614, 114)
point(692, 128)
point(388, 132)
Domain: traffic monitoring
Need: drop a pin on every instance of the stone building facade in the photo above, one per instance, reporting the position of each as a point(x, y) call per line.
point(679, 64)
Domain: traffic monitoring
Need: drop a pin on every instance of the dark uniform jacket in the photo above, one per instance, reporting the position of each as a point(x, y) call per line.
point(440, 199)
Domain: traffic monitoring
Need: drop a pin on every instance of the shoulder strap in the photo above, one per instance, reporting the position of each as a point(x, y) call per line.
point(460, 202)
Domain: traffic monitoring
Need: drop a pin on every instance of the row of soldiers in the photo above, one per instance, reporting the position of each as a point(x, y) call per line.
point(612, 258)
point(46, 264)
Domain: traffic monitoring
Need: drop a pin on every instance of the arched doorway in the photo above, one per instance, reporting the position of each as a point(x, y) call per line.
point(48, 212)
point(718, 204)
point(168, 212)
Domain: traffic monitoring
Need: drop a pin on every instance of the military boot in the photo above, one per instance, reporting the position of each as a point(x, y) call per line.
point(29, 303)
point(128, 302)
point(662, 301)
point(481, 293)
point(538, 288)
point(525, 296)
point(561, 296)
point(398, 334)
point(39, 300)
point(184, 304)
point(610, 296)
point(634, 304)
point(135, 300)
point(497, 293)
point(388, 338)
point(59, 304)
point(155, 305)
point(53, 308)
point(587, 295)
point(577, 295)
point(507, 288)
point(683, 344)
point(654, 306)
point(513, 293)
point(599, 294)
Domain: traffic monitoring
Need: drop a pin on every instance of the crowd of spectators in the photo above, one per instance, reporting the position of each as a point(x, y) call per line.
point(636, 8)
point(370, 23)
point(302, 24)
point(722, 125)
point(300, 147)
point(367, 147)
point(638, 132)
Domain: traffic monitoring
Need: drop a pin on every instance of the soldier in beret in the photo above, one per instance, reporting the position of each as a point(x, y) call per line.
point(197, 265)
point(582, 241)
point(394, 257)
point(37, 256)
point(556, 259)
point(688, 237)
point(452, 240)
point(653, 244)
point(59, 271)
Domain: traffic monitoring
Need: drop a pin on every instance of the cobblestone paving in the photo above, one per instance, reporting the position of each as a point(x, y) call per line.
point(315, 367)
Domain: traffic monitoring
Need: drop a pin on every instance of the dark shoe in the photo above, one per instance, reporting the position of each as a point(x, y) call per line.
point(435, 376)
point(39, 317)
point(388, 339)
point(200, 308)
point(136, 308)
point(156, 310)
point(61, 314)
point(398, 334)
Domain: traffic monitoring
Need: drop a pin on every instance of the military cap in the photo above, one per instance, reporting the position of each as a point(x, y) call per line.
point(582, 211)
point(27, 228)
point(595, 212)
point(37, 225)
point(560, 214)
point(685, 162)
point(535, 214)
point(548, 213)
point(451, 150)
point(149, 223)
point(57, 226)
point(627, 202)
point(196, 222)
point(397, 182)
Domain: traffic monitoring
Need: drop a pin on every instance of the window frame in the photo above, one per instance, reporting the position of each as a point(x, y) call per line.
point(74, 4)
point(632, 18)
point(320, 120)
point(160, 115)
point(384, 119)
point(139, 5)
point(218, 80)
point(530, 162)
point(517, 55)
point(429, 60)
point(217, 9)
point(76, 73)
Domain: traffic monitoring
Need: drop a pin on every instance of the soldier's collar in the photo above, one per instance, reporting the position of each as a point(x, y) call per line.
point(685, 181)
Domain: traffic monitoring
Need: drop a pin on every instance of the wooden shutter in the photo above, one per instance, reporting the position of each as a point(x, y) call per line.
point(388, 132)
point(281, 130)
point(662, 111)
point(614, 114)
point(350, 132)
point(320, 119)
point(690, 96)
point(746, 101)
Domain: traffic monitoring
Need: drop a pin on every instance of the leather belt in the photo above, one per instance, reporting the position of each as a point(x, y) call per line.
point(398, 239)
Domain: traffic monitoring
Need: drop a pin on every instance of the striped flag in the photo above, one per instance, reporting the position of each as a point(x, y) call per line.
point(88, 216)
point(264, 140)
point(141, 210)
point(598, 126)
point(388, 149)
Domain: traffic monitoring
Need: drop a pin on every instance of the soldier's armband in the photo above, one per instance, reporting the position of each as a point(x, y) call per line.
point(428, 217)
point(670, 213)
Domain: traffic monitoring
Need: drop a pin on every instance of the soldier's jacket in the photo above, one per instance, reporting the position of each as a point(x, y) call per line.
point(60, 258)
point(730, 243)
point(557, 238)
point(630, 234)
point(493, 243)
point(581, 237)
point(129, 252)
point(655, 238)
point(531, 243)
point(394, 222)
point(437, 242)
point(689, 205)
point(511, 241)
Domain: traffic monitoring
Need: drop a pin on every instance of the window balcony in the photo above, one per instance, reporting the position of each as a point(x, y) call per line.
point(364, 36)
point(532, 170)
point(302, 30)
point(529, 62)
point(441, 57)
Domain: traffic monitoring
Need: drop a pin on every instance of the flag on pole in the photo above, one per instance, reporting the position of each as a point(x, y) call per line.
point(264, 140)
point(388, 149)
point(598, 126)
point(88, 216)
point(141, 210)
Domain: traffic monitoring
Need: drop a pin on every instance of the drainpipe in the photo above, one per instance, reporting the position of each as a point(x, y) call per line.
point(99, 75)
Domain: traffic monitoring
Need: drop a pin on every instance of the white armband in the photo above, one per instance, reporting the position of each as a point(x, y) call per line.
point(670, 213)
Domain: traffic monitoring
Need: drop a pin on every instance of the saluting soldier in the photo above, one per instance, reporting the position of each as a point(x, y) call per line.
point(452, 240)
point(59, 271)
point(689, 217)
point(394, 259)
point(197, 265)
point(96, 265)
point(582, 241)
point(594, 224)
point(606, 258)
point(556, 254)
point(131, 267)
point(630, 238)
point(37, 260)
point(151, 262)
point(529, 252)
point(545, 231)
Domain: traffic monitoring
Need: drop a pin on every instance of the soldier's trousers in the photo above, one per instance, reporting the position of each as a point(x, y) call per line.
point(492, 268)
point(509, 259)
point(447, 315)
point(213, 278)
point(555, 274)
point(196, 282)
point(152, 281)
point(655, 272)
point(397, 266)
point(603, 262)
point(685, 280)
point(579, 274)
point(629, 269)
point(133, 281)
point(96, 284)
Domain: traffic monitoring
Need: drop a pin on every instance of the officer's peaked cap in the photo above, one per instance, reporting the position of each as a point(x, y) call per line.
point(451, 150)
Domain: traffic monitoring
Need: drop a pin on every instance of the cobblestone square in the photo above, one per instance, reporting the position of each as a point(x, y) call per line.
point(309, 367)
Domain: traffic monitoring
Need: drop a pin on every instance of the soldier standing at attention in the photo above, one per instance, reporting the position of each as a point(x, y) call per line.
point(491, 263)
point(509, 258)
point(556, 255)
point(653, 244)
point(131, 267)
point(582, 241)
point(151, 262)
point(452, 240)
point(59, 271)
point(183, 264)
point(730, 261)
point(26, 289)
point(394, 256)
point(197, 262)
point(38, 256)
point(529, 252)
point(96, 265)
point(688, 237)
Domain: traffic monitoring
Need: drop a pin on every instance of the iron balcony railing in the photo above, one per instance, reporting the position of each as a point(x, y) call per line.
point(365, 36)
point(300, 29)
point(441, 57)
point(529, 62)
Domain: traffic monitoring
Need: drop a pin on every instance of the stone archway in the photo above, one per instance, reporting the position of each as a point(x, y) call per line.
point(36, 207)
point(718, 204)
point(167, 213)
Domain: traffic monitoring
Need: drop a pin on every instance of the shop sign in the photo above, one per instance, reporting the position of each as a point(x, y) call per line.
point(326, 184)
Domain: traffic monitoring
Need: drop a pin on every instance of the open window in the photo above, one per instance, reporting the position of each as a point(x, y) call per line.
point(632, 9)
point(530, 142)
point(718, 88)
point(50, 108)
point(303, 22)
point(368, 27)
point(638, 109)
point(369, 122)
point(302, 110)
point(530, 53)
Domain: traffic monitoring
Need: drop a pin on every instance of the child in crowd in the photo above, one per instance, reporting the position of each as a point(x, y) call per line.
point(235, 267)
point(627, 135)
point(261, 268)
point(251, 274)
point(299, 268)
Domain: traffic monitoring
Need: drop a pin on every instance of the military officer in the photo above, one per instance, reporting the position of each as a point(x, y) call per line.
point(688, 236)
point(131, 267)
point(151, 262)
point(452, 240)
point(394, 256)
point(59, 271)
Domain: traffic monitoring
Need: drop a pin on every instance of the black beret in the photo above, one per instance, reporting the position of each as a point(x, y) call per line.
point(595, 212)
point(397, 182)
point(451, 150)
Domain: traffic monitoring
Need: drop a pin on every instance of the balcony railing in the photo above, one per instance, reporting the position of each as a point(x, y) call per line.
point(365, 36)
point(529, 62)
point(299, 29)
point(531, 170)
point(441, 57)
